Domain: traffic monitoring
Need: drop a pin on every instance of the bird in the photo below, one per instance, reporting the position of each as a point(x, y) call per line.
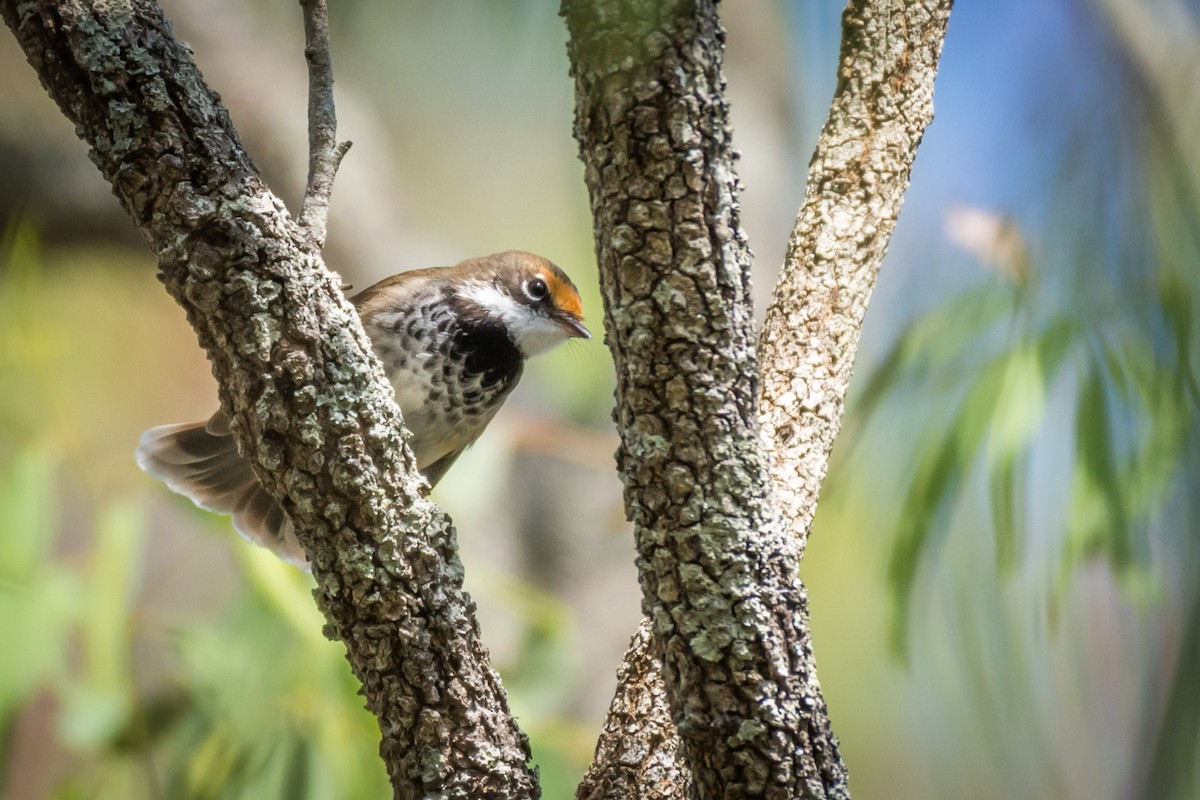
point(453, 342)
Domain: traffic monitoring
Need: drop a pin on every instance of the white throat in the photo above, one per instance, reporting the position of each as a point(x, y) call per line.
point(532, 332)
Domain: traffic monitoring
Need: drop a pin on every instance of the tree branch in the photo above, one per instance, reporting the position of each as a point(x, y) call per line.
point(637, 754)
point(325, 153)
point(879, 75)
point(718, 567)
point(856, 183)
point(311, 408)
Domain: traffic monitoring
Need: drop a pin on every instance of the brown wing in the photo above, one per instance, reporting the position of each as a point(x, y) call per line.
point(411, 284)
point(200, 460)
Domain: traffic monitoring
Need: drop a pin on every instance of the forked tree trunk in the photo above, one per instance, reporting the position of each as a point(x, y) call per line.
point(727, 616)
point(720, 479)
point(718, 565)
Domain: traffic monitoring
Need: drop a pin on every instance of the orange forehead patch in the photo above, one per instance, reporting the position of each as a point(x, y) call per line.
point(564, 295)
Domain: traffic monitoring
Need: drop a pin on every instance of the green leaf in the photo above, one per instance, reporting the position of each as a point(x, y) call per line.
point(98, 704)
point(286, 590)
point(1007, 510)
point(39, 601)
point(937, 477)
point(935, 340)
point(1020, 410)
point(1004, 407)
point(1098, 521)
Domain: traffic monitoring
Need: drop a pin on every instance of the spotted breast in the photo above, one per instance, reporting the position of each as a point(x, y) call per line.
point(453, 342)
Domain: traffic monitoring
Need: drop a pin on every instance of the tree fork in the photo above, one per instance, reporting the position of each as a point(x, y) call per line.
point(883, 103)
point(717, 564)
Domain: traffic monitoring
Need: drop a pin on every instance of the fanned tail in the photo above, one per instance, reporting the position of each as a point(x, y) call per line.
point(200, 461)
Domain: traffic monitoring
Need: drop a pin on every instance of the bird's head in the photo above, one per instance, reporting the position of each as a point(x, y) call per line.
point(535, 300)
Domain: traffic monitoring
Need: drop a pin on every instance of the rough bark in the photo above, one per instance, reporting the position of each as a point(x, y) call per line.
point(856, 183)
point(638, 749)
point(718, 565)
point(310, 405)
point(632, 747)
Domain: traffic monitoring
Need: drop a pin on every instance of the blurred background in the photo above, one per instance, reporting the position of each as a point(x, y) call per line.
point(1003, 573)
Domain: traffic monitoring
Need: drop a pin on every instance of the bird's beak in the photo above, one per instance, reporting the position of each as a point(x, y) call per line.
point(573, 326)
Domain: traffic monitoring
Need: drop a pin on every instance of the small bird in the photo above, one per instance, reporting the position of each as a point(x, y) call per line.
point(453, 342)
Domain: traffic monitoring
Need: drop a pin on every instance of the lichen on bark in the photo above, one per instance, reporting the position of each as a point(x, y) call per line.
point(717, 565)
point(717, 556)
point(857, 178)
point(309, 403)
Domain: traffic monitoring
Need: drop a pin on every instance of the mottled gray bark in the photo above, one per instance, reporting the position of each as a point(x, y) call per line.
point(857, 179)
point(310, 405)
point(856, 183)
point(717, 563)
point(632, 747)
point(311, 409)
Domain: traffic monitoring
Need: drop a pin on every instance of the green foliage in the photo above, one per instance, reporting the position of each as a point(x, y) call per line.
point(252, 703)
point(994, 426)
point(245, 700)
point(39, 600)
point(258, 704)
point(1134, 412)
point(1092, 335)
point(270, 707)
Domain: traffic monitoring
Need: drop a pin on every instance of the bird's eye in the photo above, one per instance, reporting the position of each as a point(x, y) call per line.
point(536, 288)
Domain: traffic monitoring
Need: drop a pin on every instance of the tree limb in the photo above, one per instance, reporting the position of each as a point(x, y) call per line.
point(718, 567)
point(637, 754)
point(856, 183)
point(325, 153)
point(311, 408)
point(879, 73)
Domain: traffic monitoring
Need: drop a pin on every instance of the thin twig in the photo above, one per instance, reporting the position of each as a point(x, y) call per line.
point(325, 152)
